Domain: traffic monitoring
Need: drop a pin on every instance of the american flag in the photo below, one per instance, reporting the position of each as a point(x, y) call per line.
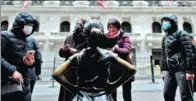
point(170, 2)
point(25, 3)
point(102, 3)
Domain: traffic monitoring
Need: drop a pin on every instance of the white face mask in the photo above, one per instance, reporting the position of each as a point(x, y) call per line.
point(27, 29)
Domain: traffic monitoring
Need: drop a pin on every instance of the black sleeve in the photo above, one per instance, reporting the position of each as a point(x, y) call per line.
point(187, 44)
point(162, 65)
point(194, 58)
point(5, 65)
point(38, 58)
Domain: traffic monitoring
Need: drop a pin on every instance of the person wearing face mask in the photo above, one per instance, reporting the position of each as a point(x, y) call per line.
point(14, 59)
point(36, 70)
point(123, 49)
point(176, 60)
point(73, 44)
point(93, 68)
point(194, 60)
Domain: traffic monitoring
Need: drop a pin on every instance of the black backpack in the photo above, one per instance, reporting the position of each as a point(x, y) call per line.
point(178, 34)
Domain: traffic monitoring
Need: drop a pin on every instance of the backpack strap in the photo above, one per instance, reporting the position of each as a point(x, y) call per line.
point(178, 34)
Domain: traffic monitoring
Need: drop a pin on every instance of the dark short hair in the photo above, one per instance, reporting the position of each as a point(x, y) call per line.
point(97, 38)
point(93, 24)
point(114, 22)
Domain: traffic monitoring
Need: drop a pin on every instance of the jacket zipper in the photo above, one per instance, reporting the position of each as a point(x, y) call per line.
point(177, 59)
point(166, 52)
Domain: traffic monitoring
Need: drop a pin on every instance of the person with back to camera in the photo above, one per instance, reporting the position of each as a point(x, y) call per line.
point(93, 68)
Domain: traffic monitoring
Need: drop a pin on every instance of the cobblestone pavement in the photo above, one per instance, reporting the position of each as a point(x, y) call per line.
point(142, 91)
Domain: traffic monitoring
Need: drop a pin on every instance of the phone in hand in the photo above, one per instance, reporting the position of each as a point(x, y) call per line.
point(30, 53)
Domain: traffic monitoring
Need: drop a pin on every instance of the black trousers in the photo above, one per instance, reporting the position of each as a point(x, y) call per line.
point(12, 97)
point(127, 96)
point(32, 84)
point(174, 79)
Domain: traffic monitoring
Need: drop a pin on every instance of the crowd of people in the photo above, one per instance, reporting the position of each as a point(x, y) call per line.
point(96, 63)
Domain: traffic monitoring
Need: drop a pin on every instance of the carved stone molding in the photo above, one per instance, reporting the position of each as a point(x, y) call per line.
point(17, 3)
point(65, 18)
point(153, 40)
point(112, 4)
point(135, 39)
point(60, 34)
point(51, 43)
point(51, 3)
point(84, 3)
point(169, 3)
point(4, 18)
point(187, 19)
point(40, 36)
point(140, 3)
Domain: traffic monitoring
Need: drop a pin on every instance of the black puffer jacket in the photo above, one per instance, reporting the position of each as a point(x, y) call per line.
point(176, 49)
point(14, 46)
point(32, 45)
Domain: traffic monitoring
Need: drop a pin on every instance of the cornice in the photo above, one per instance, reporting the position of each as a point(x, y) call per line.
point(97, 9)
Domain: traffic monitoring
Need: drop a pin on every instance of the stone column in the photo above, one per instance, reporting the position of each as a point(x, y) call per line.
point(180, 21)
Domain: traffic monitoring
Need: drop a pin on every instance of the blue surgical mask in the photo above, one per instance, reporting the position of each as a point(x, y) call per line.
point(166, 25)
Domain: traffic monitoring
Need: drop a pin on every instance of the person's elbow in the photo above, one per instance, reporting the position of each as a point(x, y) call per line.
point(133, 70)
point(55, 75)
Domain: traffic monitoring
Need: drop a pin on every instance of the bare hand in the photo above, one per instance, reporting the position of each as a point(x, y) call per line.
point(72, 50)
point(65, 47)
point(116, 46)
point(17, 77)
point(190, 76)
point(162, 75)
point(29, 60)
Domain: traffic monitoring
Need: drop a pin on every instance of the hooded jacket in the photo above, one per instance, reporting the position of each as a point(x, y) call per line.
point(32, 45)
point(14, 46)
point(176, 48)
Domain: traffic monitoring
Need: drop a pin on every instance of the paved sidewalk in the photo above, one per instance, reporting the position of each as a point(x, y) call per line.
point(142, 91)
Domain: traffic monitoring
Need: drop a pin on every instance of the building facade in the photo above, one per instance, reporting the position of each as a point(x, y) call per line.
point(141, 20)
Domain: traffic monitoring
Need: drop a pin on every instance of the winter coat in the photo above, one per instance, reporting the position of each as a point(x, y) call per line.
point(38, 59)
point(177, 52)
point(14, 47)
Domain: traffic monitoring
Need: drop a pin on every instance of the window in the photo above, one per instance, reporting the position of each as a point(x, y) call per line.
point(4, 25)
point(156, 27)
point(65, 26)
point(187, 27)
point(126, 27)
point(98, 18)
point(156, 54)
